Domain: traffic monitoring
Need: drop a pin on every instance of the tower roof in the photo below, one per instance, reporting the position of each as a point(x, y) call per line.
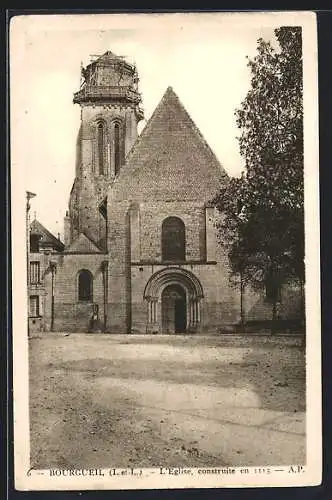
point(109, 58)
point(171, 159)
point(109, 78)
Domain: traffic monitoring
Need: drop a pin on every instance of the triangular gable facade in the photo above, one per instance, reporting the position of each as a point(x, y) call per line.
point(83, 245)
point(47, 239)
point(170, 159)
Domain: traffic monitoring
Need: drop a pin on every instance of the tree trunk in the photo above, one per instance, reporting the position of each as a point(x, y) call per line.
point(274, 317)
point(242, 304)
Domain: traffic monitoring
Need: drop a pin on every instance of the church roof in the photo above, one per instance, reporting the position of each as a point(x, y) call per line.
point(170, 160)
point(83, 244)
point(47, 239)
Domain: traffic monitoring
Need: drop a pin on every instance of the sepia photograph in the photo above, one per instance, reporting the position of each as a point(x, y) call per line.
point(165, 235)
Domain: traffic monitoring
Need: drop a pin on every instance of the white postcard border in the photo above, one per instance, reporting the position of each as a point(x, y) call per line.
point(308, 474)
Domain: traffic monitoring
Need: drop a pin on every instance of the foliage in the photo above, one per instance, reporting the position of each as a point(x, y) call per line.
point(262, 221)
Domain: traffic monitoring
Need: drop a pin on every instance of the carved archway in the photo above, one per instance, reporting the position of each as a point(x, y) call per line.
point(153, 292)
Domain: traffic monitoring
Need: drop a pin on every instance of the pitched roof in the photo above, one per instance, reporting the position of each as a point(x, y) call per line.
point(46, 237)
point(83, 244)
point(170, 160)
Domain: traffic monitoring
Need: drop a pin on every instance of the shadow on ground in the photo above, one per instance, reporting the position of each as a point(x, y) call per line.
point(270, 371)
point(84, 409)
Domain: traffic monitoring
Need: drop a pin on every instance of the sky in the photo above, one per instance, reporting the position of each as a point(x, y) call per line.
point(202, 56)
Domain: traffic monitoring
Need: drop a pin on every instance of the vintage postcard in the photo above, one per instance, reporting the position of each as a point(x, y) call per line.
point(165, 236)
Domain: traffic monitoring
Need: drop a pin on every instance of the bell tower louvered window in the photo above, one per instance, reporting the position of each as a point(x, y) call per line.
point(101, 148)
point(117, 148)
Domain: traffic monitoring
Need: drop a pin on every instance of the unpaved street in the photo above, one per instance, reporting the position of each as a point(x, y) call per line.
point(148, 401)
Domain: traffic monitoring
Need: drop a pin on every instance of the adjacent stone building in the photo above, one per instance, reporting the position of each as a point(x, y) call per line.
point(140, 253)
point(44, 249)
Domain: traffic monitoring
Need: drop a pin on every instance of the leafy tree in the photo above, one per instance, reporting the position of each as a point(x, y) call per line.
point(262, 220)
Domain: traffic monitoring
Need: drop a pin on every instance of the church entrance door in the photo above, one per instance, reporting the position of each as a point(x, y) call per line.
point(174, 309)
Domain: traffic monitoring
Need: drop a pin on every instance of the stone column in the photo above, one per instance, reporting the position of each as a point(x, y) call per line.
point(152, 324)
point(194, 314)
point(191, 315)
point(198, 312)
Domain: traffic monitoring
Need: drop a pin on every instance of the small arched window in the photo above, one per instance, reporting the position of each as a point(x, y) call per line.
point(101, 147)
point(117, 148)
point(173, 239)
point(85, 286)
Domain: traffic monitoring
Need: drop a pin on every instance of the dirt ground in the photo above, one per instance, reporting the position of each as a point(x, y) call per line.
point(148, 401)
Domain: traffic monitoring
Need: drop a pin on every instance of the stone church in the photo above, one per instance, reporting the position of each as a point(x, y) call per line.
point(140, 251)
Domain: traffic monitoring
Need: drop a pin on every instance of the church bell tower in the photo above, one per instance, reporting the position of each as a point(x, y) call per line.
point(110, 112)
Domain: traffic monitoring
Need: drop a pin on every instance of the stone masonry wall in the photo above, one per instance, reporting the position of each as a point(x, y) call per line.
point(152, 216)
point(119, 282)
point(70, 314)
point(90, 187)
point(220, 306)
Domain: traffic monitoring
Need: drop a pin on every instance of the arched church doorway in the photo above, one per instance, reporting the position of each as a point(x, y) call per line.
point(174, 309)
point(173, 297)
